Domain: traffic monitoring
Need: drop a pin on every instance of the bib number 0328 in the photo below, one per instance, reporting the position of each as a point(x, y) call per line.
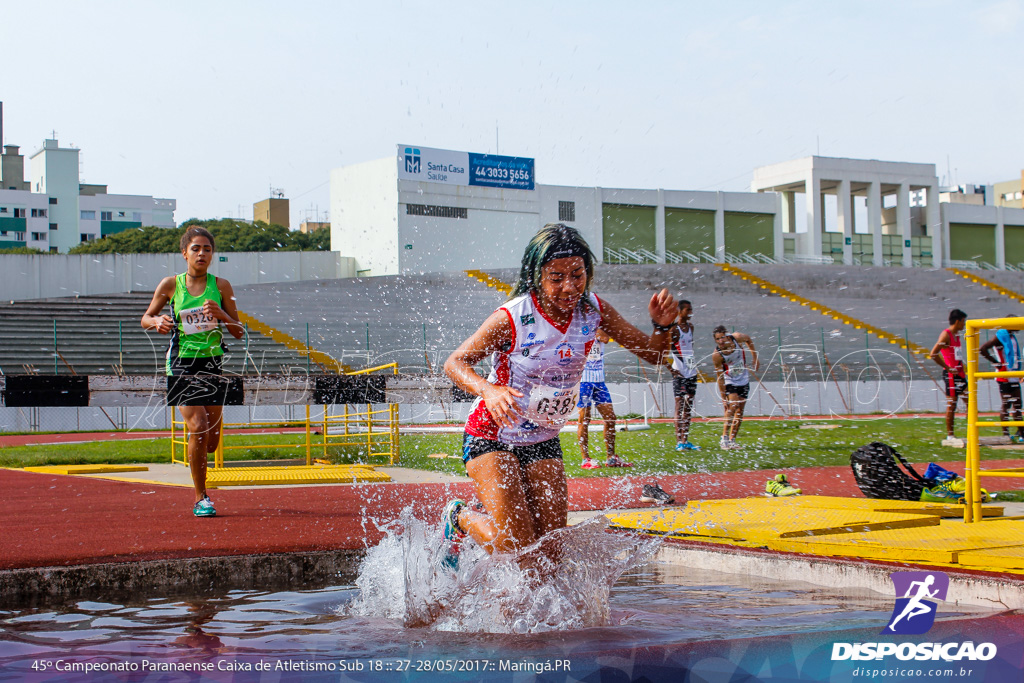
point(194, 320)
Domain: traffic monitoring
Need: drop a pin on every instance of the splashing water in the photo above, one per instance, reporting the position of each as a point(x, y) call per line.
point(561, 582)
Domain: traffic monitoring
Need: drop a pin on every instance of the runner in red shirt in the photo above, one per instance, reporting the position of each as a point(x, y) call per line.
point(948, 353)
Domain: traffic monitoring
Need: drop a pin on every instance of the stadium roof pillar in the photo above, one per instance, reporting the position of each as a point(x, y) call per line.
point(903, 223)
point(933, 221)
point(875, 221)
point(816, 177)
point(720, 228)
point(845, 215)
point(659, 227)
point(1000, 237)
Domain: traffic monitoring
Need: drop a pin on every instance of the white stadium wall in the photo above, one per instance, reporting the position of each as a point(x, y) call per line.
point(46, 276)
point(364, 202)
point(499, 224)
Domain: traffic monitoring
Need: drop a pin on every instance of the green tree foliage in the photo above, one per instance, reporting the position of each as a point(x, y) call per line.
point(25, 250)
point(228, 233)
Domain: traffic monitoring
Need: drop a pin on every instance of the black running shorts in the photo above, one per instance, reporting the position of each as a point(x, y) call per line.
point(475, 446)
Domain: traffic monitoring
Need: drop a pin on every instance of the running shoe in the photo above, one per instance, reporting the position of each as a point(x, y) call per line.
point(780, 487)
point(453, 533)
point(723, 443)
point(652, 493)
point(953, 442)
point(1017, 438)
point(590, 464)
point(616, 461)
point(204, 508)
point(687, 446)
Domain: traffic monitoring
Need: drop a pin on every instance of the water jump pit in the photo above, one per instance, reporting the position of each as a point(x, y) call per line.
point(616, 605)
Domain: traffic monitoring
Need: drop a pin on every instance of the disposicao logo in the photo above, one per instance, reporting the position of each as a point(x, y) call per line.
point(914, 614)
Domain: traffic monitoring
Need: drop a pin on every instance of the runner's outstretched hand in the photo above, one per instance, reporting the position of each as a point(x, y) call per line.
point(663, 308)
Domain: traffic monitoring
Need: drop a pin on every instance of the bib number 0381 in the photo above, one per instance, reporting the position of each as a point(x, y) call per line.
point(556, 407)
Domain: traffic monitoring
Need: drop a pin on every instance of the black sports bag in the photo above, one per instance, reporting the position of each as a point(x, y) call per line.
point(881, 472)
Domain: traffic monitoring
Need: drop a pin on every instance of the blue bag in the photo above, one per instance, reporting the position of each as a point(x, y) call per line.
point(939, 474)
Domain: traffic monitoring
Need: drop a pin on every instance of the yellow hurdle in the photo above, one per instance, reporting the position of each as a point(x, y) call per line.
point(376, 429)
point(972, 467)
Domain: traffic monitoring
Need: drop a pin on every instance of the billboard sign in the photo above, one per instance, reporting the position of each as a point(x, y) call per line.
point(430, 165)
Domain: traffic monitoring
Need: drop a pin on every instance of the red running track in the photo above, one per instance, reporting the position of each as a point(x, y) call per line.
point(55, 520)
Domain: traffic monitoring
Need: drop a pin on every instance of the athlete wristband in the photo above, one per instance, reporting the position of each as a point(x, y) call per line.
point(661, 328)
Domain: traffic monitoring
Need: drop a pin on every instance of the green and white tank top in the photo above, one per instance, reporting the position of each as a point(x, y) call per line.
point(195, 334)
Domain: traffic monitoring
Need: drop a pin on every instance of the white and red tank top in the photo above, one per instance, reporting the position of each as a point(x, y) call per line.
point(953, 354)
point(545, 363)
point(593, 371)
point(683, 360)
point(734, 365)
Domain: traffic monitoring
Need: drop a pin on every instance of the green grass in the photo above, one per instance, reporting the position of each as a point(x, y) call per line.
point(120, 452)
point(767, 445)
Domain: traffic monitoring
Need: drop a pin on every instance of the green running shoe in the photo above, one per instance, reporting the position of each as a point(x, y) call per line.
point(780, 487)
point(204, 508)
point(453, 533)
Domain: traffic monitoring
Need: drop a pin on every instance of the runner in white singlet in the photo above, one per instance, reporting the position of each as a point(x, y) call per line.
point(594, 392)
point(684, 375)
point(539, 340)
point(731, 367)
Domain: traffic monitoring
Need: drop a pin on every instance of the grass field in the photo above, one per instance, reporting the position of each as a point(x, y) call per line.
point(767, 445)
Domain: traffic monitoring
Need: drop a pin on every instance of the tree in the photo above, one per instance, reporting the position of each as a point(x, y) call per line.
point(21, 250)
point(228, 234)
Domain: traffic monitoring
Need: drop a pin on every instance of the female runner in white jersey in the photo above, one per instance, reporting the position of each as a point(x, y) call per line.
point(540, 339)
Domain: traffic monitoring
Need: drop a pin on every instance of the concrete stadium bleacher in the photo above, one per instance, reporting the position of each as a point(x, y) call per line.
point(417, 320)
point(90, 340)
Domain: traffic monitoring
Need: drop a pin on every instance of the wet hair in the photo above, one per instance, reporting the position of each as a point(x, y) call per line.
point(956, 315)
point(721, 328)
point(553, 241)
point(684, 302)
point(194, 232)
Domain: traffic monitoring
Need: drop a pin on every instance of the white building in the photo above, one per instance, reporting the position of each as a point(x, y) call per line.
point(24, 220)
point(904, 217)
point(55, 211)
point(430, 210)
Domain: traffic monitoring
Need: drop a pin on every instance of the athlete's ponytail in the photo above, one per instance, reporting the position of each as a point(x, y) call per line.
point(553, 241)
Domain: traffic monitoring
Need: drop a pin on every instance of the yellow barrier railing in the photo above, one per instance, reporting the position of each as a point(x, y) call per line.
point(490, 281)
point(977, 279)
point(318, 357)
point(375, 429)
point(972, 467)
point(856, 323)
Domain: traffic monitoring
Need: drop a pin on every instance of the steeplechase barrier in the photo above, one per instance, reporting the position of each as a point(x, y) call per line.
point(973, 471)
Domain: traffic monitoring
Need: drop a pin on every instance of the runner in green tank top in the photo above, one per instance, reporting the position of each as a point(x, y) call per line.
point(199, 302)
point(195, 334)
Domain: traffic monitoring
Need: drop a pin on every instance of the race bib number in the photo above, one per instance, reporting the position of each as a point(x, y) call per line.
point(690, 363)
point(549, 405)
point(958, 353)
point(194, 321)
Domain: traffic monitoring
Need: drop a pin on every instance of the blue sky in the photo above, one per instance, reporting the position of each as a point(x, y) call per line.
point(212, 103)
